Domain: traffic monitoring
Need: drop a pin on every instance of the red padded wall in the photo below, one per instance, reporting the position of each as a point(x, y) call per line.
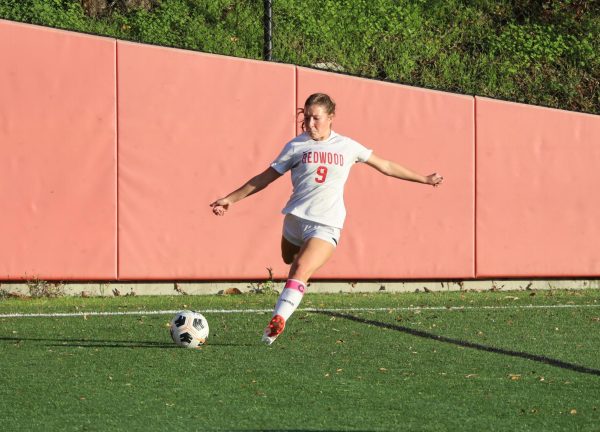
point(397, 229)
point(57, 154)
point(192, 128)
point(538, 209)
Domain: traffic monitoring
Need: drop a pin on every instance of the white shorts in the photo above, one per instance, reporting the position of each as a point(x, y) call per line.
point(297, 230)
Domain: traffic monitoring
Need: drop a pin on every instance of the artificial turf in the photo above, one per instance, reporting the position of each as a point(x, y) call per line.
point(434, 362)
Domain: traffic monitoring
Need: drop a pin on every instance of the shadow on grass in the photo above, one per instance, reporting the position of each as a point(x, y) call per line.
point(230, 344)
point(91, 343)
point(423, 334)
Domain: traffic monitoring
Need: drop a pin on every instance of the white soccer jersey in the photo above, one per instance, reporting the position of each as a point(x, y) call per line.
point(319, 171)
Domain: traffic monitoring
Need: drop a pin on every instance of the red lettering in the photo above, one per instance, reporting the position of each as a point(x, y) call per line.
point(322, 174)
point(323, 158)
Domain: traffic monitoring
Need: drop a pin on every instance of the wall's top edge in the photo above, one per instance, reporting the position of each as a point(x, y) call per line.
point(205, 54)
point(525, 105)
point(56, 30)
point(388, 83)
point(315, 69)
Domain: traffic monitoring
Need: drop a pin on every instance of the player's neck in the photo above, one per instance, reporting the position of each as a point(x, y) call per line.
point(324, 137)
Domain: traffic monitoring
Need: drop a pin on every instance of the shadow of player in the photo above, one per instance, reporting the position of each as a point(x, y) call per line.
point(423, 334)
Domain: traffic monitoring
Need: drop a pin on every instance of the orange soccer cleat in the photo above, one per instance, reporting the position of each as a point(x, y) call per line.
point(274, 329)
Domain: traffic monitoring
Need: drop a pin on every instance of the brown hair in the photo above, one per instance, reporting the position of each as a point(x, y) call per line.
point(318, 99)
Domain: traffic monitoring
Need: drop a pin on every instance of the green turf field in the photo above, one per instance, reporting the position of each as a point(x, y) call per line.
point(505, 361)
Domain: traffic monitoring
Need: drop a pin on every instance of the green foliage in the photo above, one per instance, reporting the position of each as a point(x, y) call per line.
point(534, 45)
point(544, 52)
point(223, 27)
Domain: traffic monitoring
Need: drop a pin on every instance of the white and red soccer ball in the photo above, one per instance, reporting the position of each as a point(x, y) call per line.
point(189, 329)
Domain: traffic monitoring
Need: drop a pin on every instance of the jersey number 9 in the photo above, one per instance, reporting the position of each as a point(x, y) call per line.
point(321, 174)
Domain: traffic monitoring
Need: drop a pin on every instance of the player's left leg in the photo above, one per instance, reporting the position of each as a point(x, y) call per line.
point(291, 237)
point(289, 250)
point(313, 254)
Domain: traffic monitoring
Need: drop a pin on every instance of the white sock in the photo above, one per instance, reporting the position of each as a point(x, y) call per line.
point(290, 298)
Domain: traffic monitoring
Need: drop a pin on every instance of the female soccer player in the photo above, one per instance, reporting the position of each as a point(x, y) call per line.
point(320, 161)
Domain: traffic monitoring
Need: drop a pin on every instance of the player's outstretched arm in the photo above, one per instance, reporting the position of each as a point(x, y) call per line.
point(255, 184)
point(393, 169)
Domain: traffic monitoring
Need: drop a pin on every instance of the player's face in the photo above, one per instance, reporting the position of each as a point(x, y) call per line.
point(317, 122)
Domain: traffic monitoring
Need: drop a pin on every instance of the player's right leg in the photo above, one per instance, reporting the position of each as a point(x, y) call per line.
point(291, 243)
point(313, 254)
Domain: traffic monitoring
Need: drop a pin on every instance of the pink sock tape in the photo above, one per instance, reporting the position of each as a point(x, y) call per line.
point(295, 284)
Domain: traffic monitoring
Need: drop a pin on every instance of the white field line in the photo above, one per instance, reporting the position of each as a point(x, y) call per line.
point(337, 310)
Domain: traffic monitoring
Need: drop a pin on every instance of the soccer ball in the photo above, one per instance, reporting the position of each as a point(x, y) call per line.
point(189, 329)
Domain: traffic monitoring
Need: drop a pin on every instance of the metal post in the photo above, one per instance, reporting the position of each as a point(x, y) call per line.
point(268, 30)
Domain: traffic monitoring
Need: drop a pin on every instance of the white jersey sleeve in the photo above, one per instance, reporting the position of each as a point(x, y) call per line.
point(285, 160)
point(362, 153)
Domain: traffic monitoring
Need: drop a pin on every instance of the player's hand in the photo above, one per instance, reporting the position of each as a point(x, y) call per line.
point(434, 179)
point(220, 206)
